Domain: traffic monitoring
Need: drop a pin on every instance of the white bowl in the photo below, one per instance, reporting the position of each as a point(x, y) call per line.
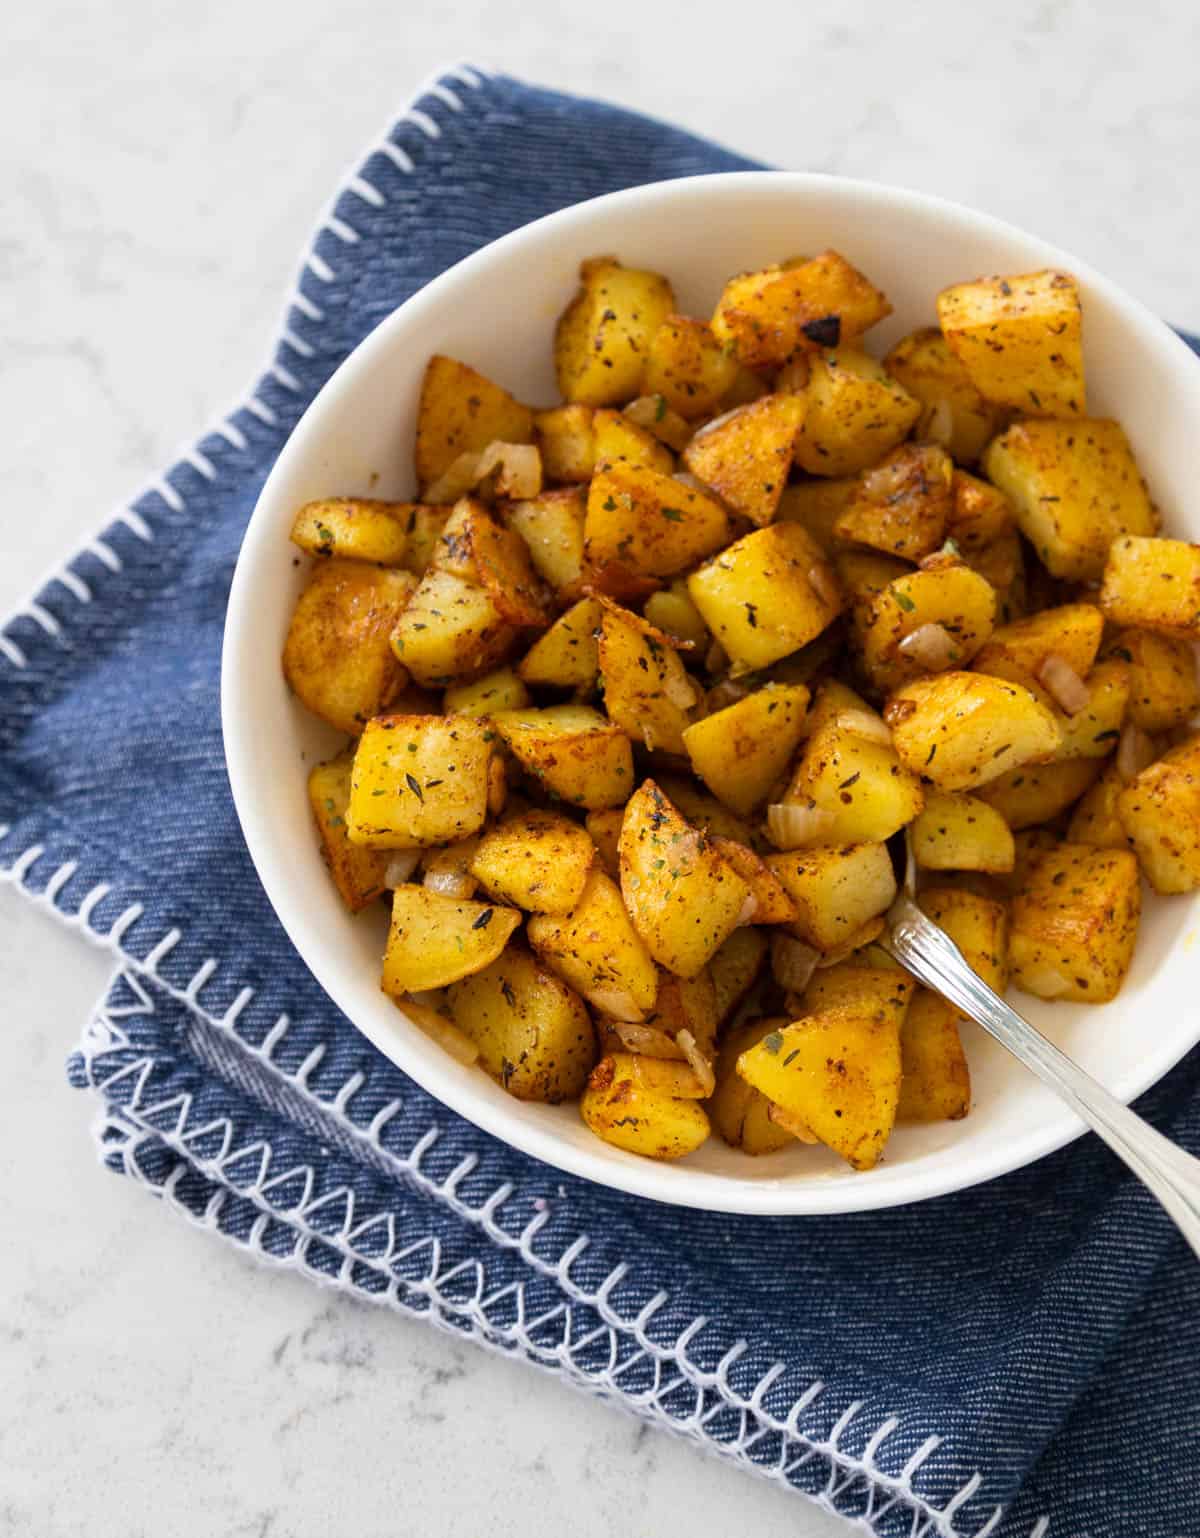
point(496, 310)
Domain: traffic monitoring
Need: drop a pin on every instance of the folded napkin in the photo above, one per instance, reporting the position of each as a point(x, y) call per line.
point(1013, 1360)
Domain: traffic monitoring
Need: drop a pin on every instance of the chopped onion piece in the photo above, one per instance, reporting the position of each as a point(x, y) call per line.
point(455, 480)
point(708, 427)
point(747, 911)
point(932, 646)
point(790, 1122)
point(450, 882)
point(824, 584)
point(649, 736)
point(792, 962)
point(680, 690)
point(686, 478)
point(440, 1029)
point(615, 1002)
point(697, 1061)
point(793, 826)
point(793, 377)
point(1061, 680)
point(510, 470)
point(400, 866)
point(939, 424)
point(646, 1039)
point(1044, 982)
point(725, 693)
point(865, 723)
point(1135, 752)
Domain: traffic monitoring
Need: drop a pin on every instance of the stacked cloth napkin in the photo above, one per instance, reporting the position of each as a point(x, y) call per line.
point(1012, 1360)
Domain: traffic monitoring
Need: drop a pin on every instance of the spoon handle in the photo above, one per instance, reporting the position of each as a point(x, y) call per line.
point(1172, 1175)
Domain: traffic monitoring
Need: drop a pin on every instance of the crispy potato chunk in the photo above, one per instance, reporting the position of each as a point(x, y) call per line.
point(1019, 650)
point(596, 949)
point(536, 860)
point(836, 890)
point(354, 529)
point(621, 441)
point(855, 414)
point(683, 898)
point(501, 690)
point(673, 611)
point(860, 791)
point(1035, 793)
point(462, 412)
point(766, 317)
point(818, 504)
point(771, 903)
point(741, 751)
point(605, 830)
point(1160, 812)
point(1153, 583)
point(739, 1112)
point(577, 753)
point(979, 514)
point(533, 1033)
point(603, 335)
point(475, 547)
point(961, 730)
point(1164, 691)
point(978, 925)
point(1095, 728)
point(767, 594)
point(418, 780)
point(619, 1108)
point(654, 414)
point(450, 630)
point(647, 692)
point(567, 443)
point(567, 655)
point(959, 832)
point(357, 873)
point(688, 367)
point(890, 627)
point(704, 811)
point(435, 940)
point(1095, 820)
point(1075, 923)
point(953, 413)
point(423, 528)
point(735, 968)
point(336, 659)
point(1074, 487)
point(650, 523)
point(902, 504)
point(936, 1081)
point(745, 457)
point(552, 527)
point(1020, 340)
point(854, 984)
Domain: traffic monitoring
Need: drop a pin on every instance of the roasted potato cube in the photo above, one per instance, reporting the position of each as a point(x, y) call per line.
point(978, 925)
point(1020, 340)
point(1095, 728)
point(567, 655)
point(1020, 650)
point(936, 1082)
point(566, 441)
point(618, 1107)
point(704, 811)
point(357, 873)
point(688, 367)
point(654, 414)
point(533, 1033)
point(475, 547)
point(837, 704)
point(767, 594)
point(423, 530)
point(1095, 820)
point(769, 903)
point(650, 523)
point(537, 860)
point(766, 317)
point(1164, 691)
point(683, 898)
point(864, 574)
point(687, 1004)
point(961, 730)
point(647, 691)
point(597, 950)
point(959, 832)
point(1074, 487)
point(501, 690)
point(418, 780)
point(1002, 563)
point(739, 1112)
point(854, 984)
point(337, 659)
point(734, 969)
point(855, 414)
point(605, 830)
point(353, 528)
point(745, 456)
point(575, 751)
point(1160, 812)
point(621, 441)
point(449, 630)
point(836, 890)
point(741, 751)
point(604, 334)
point(435, 940)
point(1034, 793)
point(892, 629)
point(902, 504)
point(852, 789)
point(552, 527)
point(1074, 924)
point(979, 514)
point(1154, 583)
point(953, 412)
point(462, 412)
point(838, 1070)
point(818, 505)
point(672, 610)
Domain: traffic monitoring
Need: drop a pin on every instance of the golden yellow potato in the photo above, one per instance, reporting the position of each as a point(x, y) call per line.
point(901, 505)
point(650, 523)
point(936, 1081)
point(566, 442)
point(596, 949)
point(604, 828)
point(567, 655)
point(477, 548)
point(617, 1107)
point(1153, 583)
point(1095, 820)
point(1020, 650)
point(741, 751)
point(536, 860)
point(960, 832)
point(766, 317)
point(654, 414)
point(1020, 340)
point(702, 810)
point(450, 630)
point(602, 336)
point(423, 527)
point(979, 514)
point(621, 441)
point(575, 752)
point(853, 789)
point(771, 903)
point(961, 730)
point(357, 873)
point(501, 690)
point(739, 1112)
point(1035, 793)
point(817, 505)
point(734, 969)
point(418, 780)
point(688, 367)
point(837, 891)
point(1164, 691)
point(890, 628)
point(1075, 923)
point(1095, 728)
point(854, 984)
point(855, 413)
point(1160, 812)
point(353, 528)
point(435, 940)
point(953, 413)
point(552, 527)
point(462, 412)
point(647, 692)
point(745, 456)
point(672, 610)
point(978, 925)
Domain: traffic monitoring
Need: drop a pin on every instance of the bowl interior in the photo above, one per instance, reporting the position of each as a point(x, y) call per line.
point(497, 311)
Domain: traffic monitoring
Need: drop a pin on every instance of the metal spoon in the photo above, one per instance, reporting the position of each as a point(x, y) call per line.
point(929, 953)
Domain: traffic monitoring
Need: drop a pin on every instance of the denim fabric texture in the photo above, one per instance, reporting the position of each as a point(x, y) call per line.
point(1012, 1360)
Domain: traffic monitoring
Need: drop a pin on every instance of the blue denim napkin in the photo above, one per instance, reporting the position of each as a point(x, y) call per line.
point(1012, 1360)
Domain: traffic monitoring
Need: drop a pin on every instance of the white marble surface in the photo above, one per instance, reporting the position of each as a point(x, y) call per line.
point(161, 164)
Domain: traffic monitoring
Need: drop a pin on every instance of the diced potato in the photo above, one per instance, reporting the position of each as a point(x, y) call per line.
point(739, 1111)
point(501, 690)
point(735, 968)
point(1031, 845)
point(856, 785)
point(767, 594)
point(687, 1003)
point(688, 367)
point(654, 414)
point(1074, 487)
point(837, 704)
point(567, 655)
point(447, 869)
point(954, 413)
point(772, 905)
point(357, 873)
point(650, 523)
point(902, 504)
point(1074, 924)
point(604, 334)
point(1153, 583)
point(596, 949)
point(1020, 340)
point(672, 610)
point(947, 594)
point(575, 752)
point(462, 412)
point(704, 811)
point(864, 574)
point(475, 547)
point(1035, 793)
point(855, 984)
point(960, 832)
point(1019, 650)
point(605, 830)
point(619, 1108)
point(418, 780)
point(978, 925)
point(435, 940)
point(979, 514)
point(684, 899)
point(647, 692)
point(745, 456)
point(838, 1070)
point(533, 1033)
point(618, 440)
point(836, 890)
point(856, 413)
point(1164, 691)
point(567, 444)
point(961, 730)
point(741, 751)
point(537, 860)
point(1095, 820)
point(936, 1082)
point(423, 530)
point(552, 527)
point(766, 317)
point(1160, 812)
point(1094, 730)
point(353, 528)
point(449, 630)
point(337, 659)
point(818, 504)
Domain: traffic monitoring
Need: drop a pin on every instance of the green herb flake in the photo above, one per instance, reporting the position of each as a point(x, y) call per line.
point(772, 1042)
point(484, 919)
point(905, 602)
point(415, 786)
point(674, 514)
